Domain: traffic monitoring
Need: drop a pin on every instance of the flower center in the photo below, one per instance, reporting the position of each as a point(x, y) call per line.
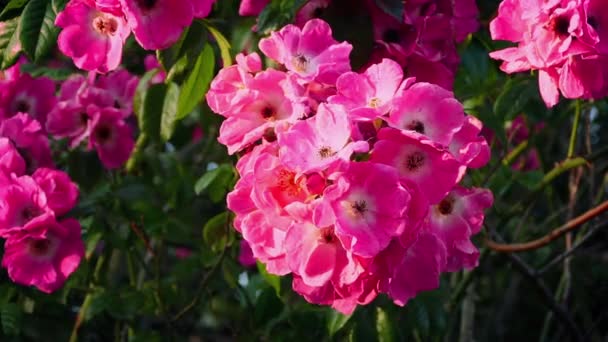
point(103, 133)
point(374, 102)
point(146, 4)
point(446, 206)
point(358, 208)
point(105, 25)
point(268, 113)
point(39, 247)
point(300, 63)
point(22, 106)
point(592, 21)
point(287, 183)
point(84, 118)
point(416, 125)
point(29, 213)
point(391, 36)
point(414, 161)
point(327, 235)
point(325, 152)
point(560, 25)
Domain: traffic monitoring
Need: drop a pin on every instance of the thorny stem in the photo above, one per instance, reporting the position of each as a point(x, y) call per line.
point(87, 300)
point(556, 233)
point(573, 135)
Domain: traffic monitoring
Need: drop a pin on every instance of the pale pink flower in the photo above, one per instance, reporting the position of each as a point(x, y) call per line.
point(310, 52)
point(319, 142)
point(266, 104)
point(369, 205)
point(420, 161)
point(370, 95)
point(428, 110)
point(45, 254)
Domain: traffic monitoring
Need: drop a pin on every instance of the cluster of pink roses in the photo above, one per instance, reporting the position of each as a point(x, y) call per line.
point(565, 40)
point(94, 31)
point(423, 42)
point(349, 181)
point(40, 249)
point(96, 108)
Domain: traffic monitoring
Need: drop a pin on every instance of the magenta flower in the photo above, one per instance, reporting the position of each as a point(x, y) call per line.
point(27, 136)
point(202, 8)
point(34, 96)
point(45, 254)
point(468, 146)
point(458, 216)
point(419, 270)
point(10, 159)
point(120, 86)
point(252, 7)
point(369, 205)
point(246, 254)
point(93, 39)
point(61, 193)
point(319, 142)
point(157, 24)
point(111, 137)
point(310, 52)
point(427, 165)
point(21, 202)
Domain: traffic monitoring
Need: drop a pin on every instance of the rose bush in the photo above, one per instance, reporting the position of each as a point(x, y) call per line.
point(322, 169)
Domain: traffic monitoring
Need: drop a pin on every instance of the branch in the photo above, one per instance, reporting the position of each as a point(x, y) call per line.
point(571, 251)
point(556, 233)
point(559, 311)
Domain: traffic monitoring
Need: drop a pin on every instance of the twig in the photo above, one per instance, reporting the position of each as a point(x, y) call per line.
point(206, 279)
point(573, 135)
point(547, 296)
point(571, 251)
point(142, 236)
point(556, 233)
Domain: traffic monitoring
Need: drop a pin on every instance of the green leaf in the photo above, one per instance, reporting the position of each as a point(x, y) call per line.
point(9, 43)
point(516, 94)
point(273, 280)
point(181, 56)
point(393, 8)
point(277, 14)
point(215, 233)
point(11, 317)
point(140, 91)
point(11, 6)
point(212, 176)
point(59, 5)
point(336, 321)
point(37, 31)
point(52, 73)
point(197, 82)
point(169, 112)
point(384, 326)
point(149, 119)
point(222, 42)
